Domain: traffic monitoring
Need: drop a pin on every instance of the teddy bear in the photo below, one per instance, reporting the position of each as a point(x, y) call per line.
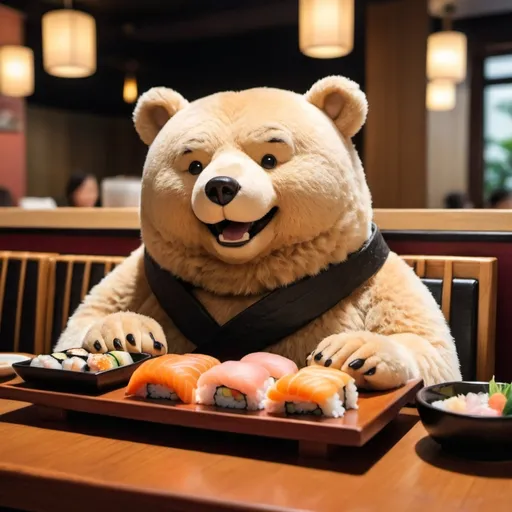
point(257, 234)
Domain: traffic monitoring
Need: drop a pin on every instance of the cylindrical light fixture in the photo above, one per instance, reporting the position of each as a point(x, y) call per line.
point(326, 28)
point(447, 56)
point(69, 43)
point(16, 71)
point(441, 95)
point(130, 90)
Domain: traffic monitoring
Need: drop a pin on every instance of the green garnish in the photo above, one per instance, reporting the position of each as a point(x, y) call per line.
point(504, 389)
point(507, 410)
point(493, 387)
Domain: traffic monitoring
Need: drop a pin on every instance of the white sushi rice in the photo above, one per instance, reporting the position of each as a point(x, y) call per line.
point(156, 391)
point(46, 361)
point(333, 407)
point(208, 395)
point(75, 364)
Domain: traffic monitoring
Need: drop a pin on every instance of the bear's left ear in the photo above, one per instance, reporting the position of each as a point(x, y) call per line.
point(154, 108)
point(342, 100)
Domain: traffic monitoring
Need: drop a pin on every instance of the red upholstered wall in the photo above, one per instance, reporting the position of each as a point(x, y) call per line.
point(12, 144)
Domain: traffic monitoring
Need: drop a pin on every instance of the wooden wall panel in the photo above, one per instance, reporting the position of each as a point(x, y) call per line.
point(61, 142)
point(395, 136)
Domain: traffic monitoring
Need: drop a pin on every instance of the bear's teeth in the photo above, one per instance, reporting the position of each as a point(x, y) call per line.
point(245, 238)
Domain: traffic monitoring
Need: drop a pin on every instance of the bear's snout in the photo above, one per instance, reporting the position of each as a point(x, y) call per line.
point(222, 190)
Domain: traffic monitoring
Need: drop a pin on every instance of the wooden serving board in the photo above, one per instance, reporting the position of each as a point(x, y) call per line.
point(356, 428)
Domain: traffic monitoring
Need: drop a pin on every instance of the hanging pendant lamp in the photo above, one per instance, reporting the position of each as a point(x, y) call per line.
point(326, 28)
point(69, 43)
point(130, 89)
point(441, 95)
point(447, 51)
point(16, 71)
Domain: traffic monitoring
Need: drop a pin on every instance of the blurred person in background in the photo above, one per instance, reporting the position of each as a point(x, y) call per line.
point(500, 199)
point(82, 190)
point(457, 200)
point(5, 198)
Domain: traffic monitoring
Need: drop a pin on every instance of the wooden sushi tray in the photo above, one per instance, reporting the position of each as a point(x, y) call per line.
point(315, 435)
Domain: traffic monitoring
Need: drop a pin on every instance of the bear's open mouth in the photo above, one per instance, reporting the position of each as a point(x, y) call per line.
point(236, 234)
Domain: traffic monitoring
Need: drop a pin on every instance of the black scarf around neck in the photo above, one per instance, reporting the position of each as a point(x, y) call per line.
point(275, 316)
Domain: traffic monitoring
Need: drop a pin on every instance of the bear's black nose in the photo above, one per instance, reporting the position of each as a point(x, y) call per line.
point(222, 190)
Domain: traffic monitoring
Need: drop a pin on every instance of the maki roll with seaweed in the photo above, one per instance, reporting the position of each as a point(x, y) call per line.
point(47, 361)
point(108, 361)
point(77, 352)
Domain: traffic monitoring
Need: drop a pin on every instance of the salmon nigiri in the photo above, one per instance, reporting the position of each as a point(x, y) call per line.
point(172, 376)
point(277, 365)
point(235, 385)
point(313, 390)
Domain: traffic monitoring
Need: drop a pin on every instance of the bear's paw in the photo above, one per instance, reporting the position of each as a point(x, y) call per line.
point(375, 361)
point(126, 331)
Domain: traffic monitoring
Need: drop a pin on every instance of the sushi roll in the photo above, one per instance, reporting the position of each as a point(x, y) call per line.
point(77, 352)
point(170, 377)
point(234, 385)
point(278, 366)
point(122, 358)
point(60, 356)
point(313, 390)
point(75, 364)
point(101, 362)
point(46, 361)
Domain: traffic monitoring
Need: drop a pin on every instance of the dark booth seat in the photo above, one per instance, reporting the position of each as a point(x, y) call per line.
point(463, 319)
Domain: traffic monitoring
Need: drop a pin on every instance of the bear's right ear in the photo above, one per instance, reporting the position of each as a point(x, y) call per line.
point(154, 108)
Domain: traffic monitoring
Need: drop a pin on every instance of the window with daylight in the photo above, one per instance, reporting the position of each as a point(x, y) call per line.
point(497, 123)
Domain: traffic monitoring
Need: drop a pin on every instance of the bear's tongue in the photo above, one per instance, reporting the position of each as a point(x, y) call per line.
point(235, 230)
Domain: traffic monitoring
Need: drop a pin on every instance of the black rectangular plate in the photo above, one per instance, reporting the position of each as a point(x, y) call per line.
point(69, 381)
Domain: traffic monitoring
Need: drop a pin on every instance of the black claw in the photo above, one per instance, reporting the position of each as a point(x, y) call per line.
point(156, 344)
point(318, 356)
point(356, 364)
point(328, 362)
point(118, 344)
point(130, 338)
point(97, 345)
point(371, 371)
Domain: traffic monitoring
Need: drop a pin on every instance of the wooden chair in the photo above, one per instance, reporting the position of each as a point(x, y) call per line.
point(71, 278)
point(24, 279)
point(465, 289)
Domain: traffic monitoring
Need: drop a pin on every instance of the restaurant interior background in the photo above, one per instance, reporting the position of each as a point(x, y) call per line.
point(415, 151)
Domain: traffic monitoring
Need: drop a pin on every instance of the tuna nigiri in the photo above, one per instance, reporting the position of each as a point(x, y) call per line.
point(277, 365)
point(313, 390)
point(235, 385)
point(173, 377)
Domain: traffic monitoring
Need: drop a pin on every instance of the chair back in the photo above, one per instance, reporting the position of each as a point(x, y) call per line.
point(465, 289)
point(71, 279)
point(24, 279)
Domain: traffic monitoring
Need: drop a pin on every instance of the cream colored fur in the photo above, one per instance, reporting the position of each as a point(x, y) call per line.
point(391, 324)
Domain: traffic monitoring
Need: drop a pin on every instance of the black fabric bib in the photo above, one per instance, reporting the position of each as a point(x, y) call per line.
point(276, 315)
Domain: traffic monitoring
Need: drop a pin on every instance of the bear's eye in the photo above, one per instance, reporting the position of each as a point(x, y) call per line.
point(195, 168)
point(268, 162)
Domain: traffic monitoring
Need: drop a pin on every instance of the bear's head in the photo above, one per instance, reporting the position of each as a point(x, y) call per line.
point(246, 191)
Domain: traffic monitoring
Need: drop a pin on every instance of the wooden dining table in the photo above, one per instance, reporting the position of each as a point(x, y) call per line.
point(98, 463)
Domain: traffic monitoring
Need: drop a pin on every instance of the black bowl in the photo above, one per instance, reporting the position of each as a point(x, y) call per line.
point(476, 437)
